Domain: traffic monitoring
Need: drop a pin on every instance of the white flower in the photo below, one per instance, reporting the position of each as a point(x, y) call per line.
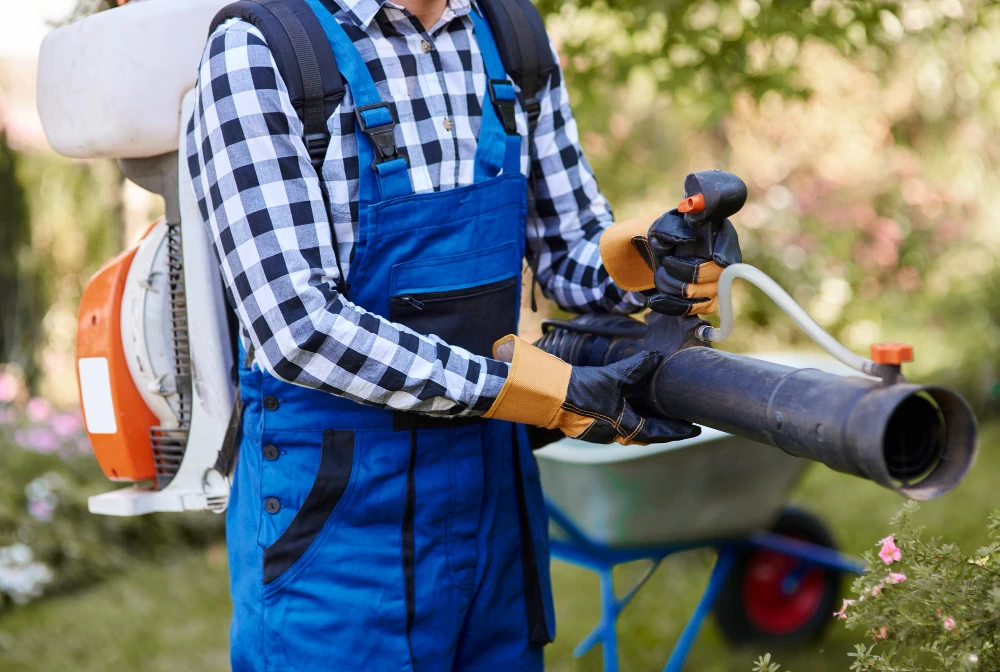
point(20, 578)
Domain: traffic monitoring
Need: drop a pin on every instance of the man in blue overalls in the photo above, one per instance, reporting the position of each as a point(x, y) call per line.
point(386, 512)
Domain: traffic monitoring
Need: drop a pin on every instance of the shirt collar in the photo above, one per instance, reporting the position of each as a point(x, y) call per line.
point(363, 11)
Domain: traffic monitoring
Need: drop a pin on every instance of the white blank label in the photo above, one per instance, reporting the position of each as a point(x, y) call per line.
point(95, 390)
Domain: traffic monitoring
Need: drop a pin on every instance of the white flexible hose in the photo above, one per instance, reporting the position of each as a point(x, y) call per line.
point(774, 291)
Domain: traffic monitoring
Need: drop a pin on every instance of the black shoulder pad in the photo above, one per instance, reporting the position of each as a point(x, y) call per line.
point(524, 46)
point(304, 59)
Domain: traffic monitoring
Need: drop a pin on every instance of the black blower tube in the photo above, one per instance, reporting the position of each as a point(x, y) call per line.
point(919, 440)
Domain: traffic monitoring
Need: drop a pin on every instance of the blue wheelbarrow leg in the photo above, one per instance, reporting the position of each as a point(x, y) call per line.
point(605, 633)
point(723, 564)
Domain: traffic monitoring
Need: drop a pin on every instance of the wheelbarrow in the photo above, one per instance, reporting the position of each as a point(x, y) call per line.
point(777, 571)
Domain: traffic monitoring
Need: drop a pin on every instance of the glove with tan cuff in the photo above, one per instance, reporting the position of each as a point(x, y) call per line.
point(590, 403)
point(651, 257)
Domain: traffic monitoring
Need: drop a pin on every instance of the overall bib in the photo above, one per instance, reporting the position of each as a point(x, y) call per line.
point(362, 539)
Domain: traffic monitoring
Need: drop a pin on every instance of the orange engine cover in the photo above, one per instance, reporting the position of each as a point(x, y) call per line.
point(118, 420)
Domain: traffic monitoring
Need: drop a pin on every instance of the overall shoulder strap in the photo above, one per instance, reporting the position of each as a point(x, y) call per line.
point(524, 47)
point(303, 56)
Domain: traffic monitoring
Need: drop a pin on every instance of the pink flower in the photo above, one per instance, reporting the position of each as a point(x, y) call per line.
point(881, 633)
point(842, 614)
point(876, 590)
point(66, 424)
point(8, 388)
point(890, 552)
point(41, 509)
point(896, 578)
point(38, 439)
point(38, 410)
point(83, 444)
point(949, 623)
point(7, 416)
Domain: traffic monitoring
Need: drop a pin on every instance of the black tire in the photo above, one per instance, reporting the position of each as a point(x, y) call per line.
point(788, 618)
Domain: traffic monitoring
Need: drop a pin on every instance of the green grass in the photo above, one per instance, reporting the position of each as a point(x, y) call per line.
point(174, 615)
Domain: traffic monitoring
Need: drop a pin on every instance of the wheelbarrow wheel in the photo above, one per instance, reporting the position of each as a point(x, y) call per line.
point(769, 597)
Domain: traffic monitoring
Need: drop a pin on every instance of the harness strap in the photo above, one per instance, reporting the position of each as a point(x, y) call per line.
point(311, 75)
point(499, 143)
point(524, 48)
point(374, 117)
point(313, 116)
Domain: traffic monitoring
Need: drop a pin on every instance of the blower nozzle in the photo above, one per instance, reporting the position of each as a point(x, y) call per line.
point(919, 440)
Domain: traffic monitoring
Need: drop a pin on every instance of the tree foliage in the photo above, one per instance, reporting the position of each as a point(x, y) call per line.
point(21, 301)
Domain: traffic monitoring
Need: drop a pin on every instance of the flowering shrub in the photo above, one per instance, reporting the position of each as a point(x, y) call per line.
point(49, 541)
point(924, 604)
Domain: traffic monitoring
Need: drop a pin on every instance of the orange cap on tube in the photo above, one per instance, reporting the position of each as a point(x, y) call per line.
point(891, 353)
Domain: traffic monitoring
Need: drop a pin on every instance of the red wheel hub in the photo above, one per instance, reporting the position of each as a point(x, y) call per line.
point(779, 595)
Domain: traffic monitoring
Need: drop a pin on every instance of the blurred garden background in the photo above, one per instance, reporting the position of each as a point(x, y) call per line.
point(868, 134)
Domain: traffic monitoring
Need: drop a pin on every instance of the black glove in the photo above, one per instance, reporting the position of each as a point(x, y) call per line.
point(590, 403)
point(687, 284)
point(598, 400)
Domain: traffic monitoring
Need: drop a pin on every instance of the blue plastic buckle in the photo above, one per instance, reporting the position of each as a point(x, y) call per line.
point(503, 97)
point(381, 131)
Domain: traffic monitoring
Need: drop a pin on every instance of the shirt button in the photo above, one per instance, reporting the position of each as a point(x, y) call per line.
point(271, 452)
point(426, 47)
point(447, 124)
point(270, 403)
point(272, 505)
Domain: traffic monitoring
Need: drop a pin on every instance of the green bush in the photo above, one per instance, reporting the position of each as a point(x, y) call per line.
point(49, 541)
point(925, 604)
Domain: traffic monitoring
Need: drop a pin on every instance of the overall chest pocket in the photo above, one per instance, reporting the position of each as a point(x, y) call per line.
point(469, 300)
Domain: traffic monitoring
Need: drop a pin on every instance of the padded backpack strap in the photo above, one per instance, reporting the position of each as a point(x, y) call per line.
point(304, 59)
point(524, 48)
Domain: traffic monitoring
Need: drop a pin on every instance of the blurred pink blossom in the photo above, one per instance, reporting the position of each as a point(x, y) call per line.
point(38, 410)
point(8, 388)
point(908, 278)
point(886, 252)
point(66, 424)
point(888, 229)
point(83, 444)
point(39, 439)
point(949, 623)
point(41, 509)
point(896, 578)
point(7, 416)
point(890, 552)
point(881, 633)
point(876, 590)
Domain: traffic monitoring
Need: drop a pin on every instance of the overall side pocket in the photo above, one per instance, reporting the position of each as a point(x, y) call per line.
point(332, 479)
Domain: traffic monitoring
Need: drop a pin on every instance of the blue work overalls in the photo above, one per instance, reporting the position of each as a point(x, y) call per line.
point(362, 539)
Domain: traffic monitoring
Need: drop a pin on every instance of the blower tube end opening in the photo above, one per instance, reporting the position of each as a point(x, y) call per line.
point(929, 443)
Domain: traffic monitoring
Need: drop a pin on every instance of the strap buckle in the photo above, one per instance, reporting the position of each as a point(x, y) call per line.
point(316, 144)
point(503, 97)
point(533, 107)
point(380, 132)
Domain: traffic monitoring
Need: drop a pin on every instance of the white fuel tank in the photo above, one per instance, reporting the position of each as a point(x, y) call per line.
point(111, 85)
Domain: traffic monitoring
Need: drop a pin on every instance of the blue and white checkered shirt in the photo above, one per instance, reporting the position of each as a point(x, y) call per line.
point(261, 200)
